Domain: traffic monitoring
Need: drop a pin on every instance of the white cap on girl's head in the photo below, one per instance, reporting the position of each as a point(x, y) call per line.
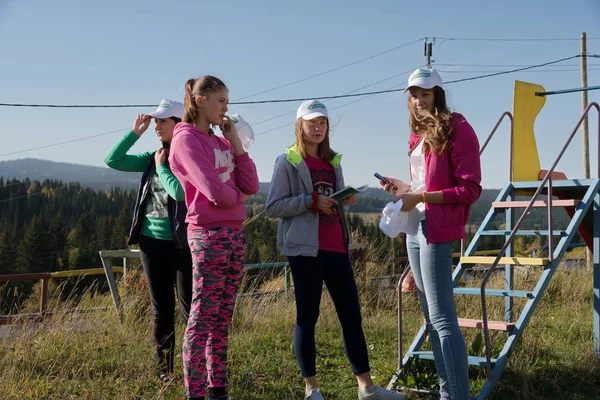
point(311, 109)
point(167, 109)
point(424, 78)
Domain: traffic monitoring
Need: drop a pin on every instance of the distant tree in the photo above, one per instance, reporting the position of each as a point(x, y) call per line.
point(34, 253)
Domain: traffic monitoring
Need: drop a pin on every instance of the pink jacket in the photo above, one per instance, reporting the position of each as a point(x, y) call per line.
point(213, 177)
point(457, 174)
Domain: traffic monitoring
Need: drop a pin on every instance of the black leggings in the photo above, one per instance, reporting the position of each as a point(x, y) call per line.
point(335, 270)
point(165, 266)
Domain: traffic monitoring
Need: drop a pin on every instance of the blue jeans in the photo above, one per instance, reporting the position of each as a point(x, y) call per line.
point(431, 265)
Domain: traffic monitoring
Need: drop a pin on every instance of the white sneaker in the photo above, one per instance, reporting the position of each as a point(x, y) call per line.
point(314, 394)
point(379, 393)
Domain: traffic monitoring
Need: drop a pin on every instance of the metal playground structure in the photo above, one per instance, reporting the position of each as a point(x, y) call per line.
point(581, 200)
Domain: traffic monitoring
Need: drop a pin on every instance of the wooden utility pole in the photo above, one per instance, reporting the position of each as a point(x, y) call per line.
point(584, 104)
point(586, 133)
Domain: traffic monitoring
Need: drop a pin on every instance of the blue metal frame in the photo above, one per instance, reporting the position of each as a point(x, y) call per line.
point(590, 202)
point(504, 194)
point(590, 187)
point(548, 272)
point(457, 274)
point(585, 89)
point(558, 184)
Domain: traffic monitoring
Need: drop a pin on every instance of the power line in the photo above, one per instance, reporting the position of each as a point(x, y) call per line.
point(40, 192)
point(331, 109)
point(254, 124)
point(22, 183)
point(65, 142)
point(401, 89)
point(352, 91)
point(369, 94)
point(514, 39)
point(31, 181)
point(513, 70)
point(505, 65)
point(259, 134)
point(289, 100)
point(539, 70)
point(437, 53)
point(363, 94)
point(330, 70)
point(235, 101)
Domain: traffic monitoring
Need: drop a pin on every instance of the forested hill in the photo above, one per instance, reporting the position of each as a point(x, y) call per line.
point(53, 225)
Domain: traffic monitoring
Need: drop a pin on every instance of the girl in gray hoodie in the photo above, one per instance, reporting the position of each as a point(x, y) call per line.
point(314, 235)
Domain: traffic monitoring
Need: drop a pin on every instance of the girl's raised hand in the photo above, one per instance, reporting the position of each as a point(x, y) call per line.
point(228, 129)
point(141, 123)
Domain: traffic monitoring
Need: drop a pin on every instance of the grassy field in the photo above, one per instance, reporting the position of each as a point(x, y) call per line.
point(99, 358)
point(370, 217)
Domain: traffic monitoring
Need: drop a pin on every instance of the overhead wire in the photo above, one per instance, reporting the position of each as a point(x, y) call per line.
point(298, 99)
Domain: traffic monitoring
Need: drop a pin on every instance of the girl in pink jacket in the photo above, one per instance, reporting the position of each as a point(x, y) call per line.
point(445, 181)
point(217, 176)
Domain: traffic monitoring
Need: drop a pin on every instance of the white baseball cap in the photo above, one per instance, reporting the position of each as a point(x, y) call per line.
point(167, 109)
point(311, 109)
point(395, 221)
point(424, 78)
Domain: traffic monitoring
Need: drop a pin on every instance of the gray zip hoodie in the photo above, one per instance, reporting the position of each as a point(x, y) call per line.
point(290, 200)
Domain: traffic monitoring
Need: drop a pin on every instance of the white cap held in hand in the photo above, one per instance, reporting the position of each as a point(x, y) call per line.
point(244, 130)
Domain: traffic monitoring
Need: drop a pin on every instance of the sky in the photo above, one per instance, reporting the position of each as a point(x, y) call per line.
point(139, 52)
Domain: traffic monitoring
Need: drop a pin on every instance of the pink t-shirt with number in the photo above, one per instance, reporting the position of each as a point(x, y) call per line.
point(331, 233)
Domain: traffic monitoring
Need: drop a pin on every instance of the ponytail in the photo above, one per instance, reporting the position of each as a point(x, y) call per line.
point(189, 103)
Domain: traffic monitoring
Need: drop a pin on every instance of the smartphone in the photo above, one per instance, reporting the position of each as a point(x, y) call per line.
point(381, 178)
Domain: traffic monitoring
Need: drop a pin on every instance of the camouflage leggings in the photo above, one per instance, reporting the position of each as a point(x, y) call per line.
point(218, 257)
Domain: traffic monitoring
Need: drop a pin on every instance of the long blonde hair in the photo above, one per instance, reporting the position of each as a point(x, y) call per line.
point(324, 150)
point(435, 127)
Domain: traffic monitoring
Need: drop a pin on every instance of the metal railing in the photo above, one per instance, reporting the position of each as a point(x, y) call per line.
point(44, 277)
point(400, 323)
point(484, 146)
point(500, 253)
point(547, 180)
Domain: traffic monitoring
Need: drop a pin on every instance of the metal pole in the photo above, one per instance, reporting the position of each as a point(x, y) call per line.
point(44, 297)
point(584, 104)
point(574, 90)
point(586, 132)
point(286, 272)
point(393, 257)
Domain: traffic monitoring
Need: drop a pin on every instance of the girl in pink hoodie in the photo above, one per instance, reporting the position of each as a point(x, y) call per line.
point(445, 181)
point(217, 176)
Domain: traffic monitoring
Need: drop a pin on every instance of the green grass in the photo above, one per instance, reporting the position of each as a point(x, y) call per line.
point(97, 357)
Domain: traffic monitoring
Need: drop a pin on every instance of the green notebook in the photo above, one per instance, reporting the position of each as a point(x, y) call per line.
point(347, 192)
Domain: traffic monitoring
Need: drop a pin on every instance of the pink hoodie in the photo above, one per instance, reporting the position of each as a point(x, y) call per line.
point(457, 174)
point(213, 177)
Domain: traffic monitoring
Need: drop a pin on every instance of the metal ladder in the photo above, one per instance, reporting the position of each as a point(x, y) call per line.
point(578, 197)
